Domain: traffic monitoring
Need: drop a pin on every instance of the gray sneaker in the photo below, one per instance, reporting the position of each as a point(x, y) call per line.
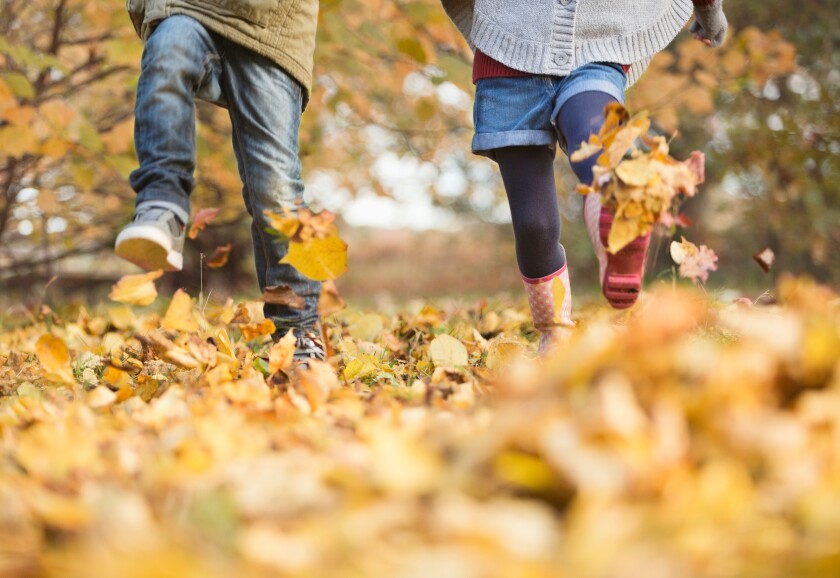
point(154, 239)
point(309, 345)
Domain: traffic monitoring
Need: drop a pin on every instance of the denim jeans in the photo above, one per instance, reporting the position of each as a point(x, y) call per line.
point(524, 110)
point(183, 61)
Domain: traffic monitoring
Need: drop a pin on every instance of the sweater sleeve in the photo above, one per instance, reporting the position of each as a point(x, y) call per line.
point(461, 13)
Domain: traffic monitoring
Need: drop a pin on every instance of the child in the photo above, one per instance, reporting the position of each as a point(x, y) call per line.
point(255, 58)
point(544, 71)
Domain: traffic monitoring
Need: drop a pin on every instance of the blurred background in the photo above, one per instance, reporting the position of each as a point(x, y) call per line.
point(385, 145)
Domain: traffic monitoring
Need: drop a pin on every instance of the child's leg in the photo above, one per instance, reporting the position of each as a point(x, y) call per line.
point(175, 61)
point(528, 175)
point(265, 108)
point(621, 274)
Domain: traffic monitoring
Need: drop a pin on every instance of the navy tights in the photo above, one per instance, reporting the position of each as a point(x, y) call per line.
point(528, 175)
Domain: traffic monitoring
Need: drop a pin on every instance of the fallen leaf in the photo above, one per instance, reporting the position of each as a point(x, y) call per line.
point(254, 330)
point(281, 354)
point(54, 358)
point(179, 315)
point(446, 351)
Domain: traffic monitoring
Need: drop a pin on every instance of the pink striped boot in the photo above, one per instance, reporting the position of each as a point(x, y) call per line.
point(621, 273)
point(550, 299)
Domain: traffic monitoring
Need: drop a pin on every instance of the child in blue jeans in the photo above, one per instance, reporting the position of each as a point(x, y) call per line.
point(254, 58)
point(544, 71)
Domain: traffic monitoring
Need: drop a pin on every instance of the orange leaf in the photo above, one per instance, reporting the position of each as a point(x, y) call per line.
point(202, 218)
point(220, 256)
point(283, 295)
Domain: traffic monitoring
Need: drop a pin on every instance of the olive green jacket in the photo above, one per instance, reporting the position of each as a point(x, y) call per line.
point(282, 30)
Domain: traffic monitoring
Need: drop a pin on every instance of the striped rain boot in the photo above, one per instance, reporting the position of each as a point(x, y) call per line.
point(621, 273)
point(550, 299)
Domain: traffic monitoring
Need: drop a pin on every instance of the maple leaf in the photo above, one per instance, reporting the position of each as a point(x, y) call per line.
point(320, 259)
point(202, 218)
point(695, 262)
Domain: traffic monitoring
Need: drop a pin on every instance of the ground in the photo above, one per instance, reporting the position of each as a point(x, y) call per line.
point(686, 437)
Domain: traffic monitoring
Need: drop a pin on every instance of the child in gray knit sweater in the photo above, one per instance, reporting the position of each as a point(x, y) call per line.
point(544, 71)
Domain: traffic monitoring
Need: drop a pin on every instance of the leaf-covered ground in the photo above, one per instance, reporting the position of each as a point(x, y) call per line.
point(687, 438)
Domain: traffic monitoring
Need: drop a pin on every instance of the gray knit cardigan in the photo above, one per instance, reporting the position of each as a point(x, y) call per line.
point(554, 37)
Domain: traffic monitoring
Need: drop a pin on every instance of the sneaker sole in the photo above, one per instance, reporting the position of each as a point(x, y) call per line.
point(149, 248)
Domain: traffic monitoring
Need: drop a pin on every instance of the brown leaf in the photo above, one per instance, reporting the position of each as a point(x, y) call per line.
point(765, 259)
point(283, 295)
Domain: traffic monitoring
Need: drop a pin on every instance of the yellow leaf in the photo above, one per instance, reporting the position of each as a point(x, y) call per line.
point(282, 353)
point(634, 172)
point(254, 330)
point(361, 367)
point(366, 327)
point(319, 259)
point(286, 224)
point(54, 357)
point(622, 233)
point(115, 377)
point(17, 141)
point(446, 351)
point(136, 289)
point(586, 150)
point(179, 316)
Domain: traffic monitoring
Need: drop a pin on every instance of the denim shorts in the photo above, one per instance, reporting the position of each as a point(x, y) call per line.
point(523, 110)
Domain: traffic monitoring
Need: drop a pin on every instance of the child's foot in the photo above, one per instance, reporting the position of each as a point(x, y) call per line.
point(622, 272)
point(309, 345)
point(154, 239)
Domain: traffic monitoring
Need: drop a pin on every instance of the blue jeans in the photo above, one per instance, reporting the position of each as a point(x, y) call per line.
point(183, 61)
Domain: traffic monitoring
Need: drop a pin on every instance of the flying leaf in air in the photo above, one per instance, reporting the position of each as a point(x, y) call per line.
point(765, 259)
point(202, 218)
point(319, 259)
point(220, 256)
point(136, 289)
point(283, 295)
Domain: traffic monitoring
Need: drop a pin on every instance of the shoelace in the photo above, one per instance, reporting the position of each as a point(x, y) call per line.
point(310, 346)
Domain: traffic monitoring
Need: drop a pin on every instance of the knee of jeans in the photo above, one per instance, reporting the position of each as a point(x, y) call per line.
point(177, 40)
point(274, 195)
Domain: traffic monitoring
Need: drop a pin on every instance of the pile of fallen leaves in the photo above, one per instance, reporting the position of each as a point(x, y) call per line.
point(686, 438)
